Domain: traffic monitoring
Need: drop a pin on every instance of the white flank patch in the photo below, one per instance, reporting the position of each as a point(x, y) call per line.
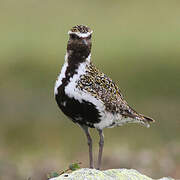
point(83, 35)
point(61, 75)
point(106, 120)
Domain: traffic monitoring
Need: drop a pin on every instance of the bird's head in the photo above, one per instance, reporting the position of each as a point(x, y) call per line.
point(80, 40)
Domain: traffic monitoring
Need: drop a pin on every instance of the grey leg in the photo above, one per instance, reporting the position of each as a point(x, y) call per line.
point(89, 141)
point(101, 144)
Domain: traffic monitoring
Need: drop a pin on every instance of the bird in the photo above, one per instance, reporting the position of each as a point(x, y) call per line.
point(87, 96)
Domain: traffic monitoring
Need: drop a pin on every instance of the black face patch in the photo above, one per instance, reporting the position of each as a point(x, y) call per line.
point(78, 47)
point(78, 51)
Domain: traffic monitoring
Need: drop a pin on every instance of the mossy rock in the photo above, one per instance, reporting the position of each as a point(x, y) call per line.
point(111, 174)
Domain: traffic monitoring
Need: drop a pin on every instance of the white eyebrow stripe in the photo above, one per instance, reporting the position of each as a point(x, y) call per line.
point(83, 35)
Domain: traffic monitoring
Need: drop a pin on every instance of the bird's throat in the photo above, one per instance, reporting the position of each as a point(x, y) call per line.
point(77, 56)
point(72, 65)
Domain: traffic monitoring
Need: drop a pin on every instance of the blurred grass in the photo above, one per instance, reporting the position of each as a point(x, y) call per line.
point(136, 43)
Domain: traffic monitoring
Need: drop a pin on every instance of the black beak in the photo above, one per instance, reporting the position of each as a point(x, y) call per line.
point(84, 41)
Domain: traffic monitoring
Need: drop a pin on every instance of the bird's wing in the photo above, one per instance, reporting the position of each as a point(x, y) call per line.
point(104, 89)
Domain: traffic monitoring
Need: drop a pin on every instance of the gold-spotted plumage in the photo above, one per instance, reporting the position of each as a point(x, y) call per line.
point(104, 89)
point(80, 29)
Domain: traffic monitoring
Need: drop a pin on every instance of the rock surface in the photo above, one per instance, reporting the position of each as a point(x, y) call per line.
point(111, 174)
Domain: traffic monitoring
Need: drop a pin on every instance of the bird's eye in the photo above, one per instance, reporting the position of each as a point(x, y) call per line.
point(73, 36)
point(89, 37)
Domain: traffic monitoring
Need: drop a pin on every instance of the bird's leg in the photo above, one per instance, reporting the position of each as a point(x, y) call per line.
point(89, 141)
point(101, 144)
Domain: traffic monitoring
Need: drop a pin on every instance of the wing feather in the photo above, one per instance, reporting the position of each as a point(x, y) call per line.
point(103, 88)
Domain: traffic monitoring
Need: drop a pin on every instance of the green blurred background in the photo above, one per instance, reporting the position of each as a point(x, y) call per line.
point(136, 43)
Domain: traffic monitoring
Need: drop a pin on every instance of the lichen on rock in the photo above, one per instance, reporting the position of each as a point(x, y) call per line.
point(111, 174)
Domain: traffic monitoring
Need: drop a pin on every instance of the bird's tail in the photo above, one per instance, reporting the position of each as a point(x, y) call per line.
point(147, 120)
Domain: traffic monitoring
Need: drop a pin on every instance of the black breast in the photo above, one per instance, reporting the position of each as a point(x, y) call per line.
point(84, 113)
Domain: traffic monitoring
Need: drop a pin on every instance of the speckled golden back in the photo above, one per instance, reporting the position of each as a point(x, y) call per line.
point(103, 88)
